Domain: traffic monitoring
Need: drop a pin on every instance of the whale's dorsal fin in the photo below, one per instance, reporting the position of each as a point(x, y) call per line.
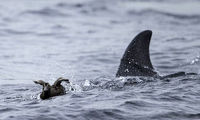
point(136, 60)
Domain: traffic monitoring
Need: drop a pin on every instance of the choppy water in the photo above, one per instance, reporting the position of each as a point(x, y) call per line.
point(84, 40)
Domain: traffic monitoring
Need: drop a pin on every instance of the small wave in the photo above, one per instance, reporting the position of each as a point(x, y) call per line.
point(176, 39)
point(167, 97)
point(177, 115)
point(88, 8)
point(47, 12)
point(111, 114)
point(137, 103)
point(7, 109)
point(65, 5)
point(174, 15)
point(17, 32)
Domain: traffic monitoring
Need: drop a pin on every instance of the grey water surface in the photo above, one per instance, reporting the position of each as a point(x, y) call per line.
point(84, 40)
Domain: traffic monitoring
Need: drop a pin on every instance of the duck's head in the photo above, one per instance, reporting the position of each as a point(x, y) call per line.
point(45, 90)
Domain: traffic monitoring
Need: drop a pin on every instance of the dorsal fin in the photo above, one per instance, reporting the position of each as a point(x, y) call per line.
point(136, 60)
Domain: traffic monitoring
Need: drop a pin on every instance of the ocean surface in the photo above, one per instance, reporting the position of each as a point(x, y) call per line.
point(84, 40)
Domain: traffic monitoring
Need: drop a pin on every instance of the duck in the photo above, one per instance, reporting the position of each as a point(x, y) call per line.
point(52, 90)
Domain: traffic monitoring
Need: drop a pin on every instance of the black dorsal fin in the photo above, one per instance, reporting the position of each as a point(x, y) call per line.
point(136, 60)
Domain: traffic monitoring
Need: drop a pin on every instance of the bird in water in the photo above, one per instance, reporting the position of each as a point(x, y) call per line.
point(52, 90)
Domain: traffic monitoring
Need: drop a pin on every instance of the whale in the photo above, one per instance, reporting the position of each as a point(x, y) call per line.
point(136, 59)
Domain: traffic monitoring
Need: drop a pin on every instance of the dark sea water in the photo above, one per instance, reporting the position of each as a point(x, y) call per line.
point(84, 40)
